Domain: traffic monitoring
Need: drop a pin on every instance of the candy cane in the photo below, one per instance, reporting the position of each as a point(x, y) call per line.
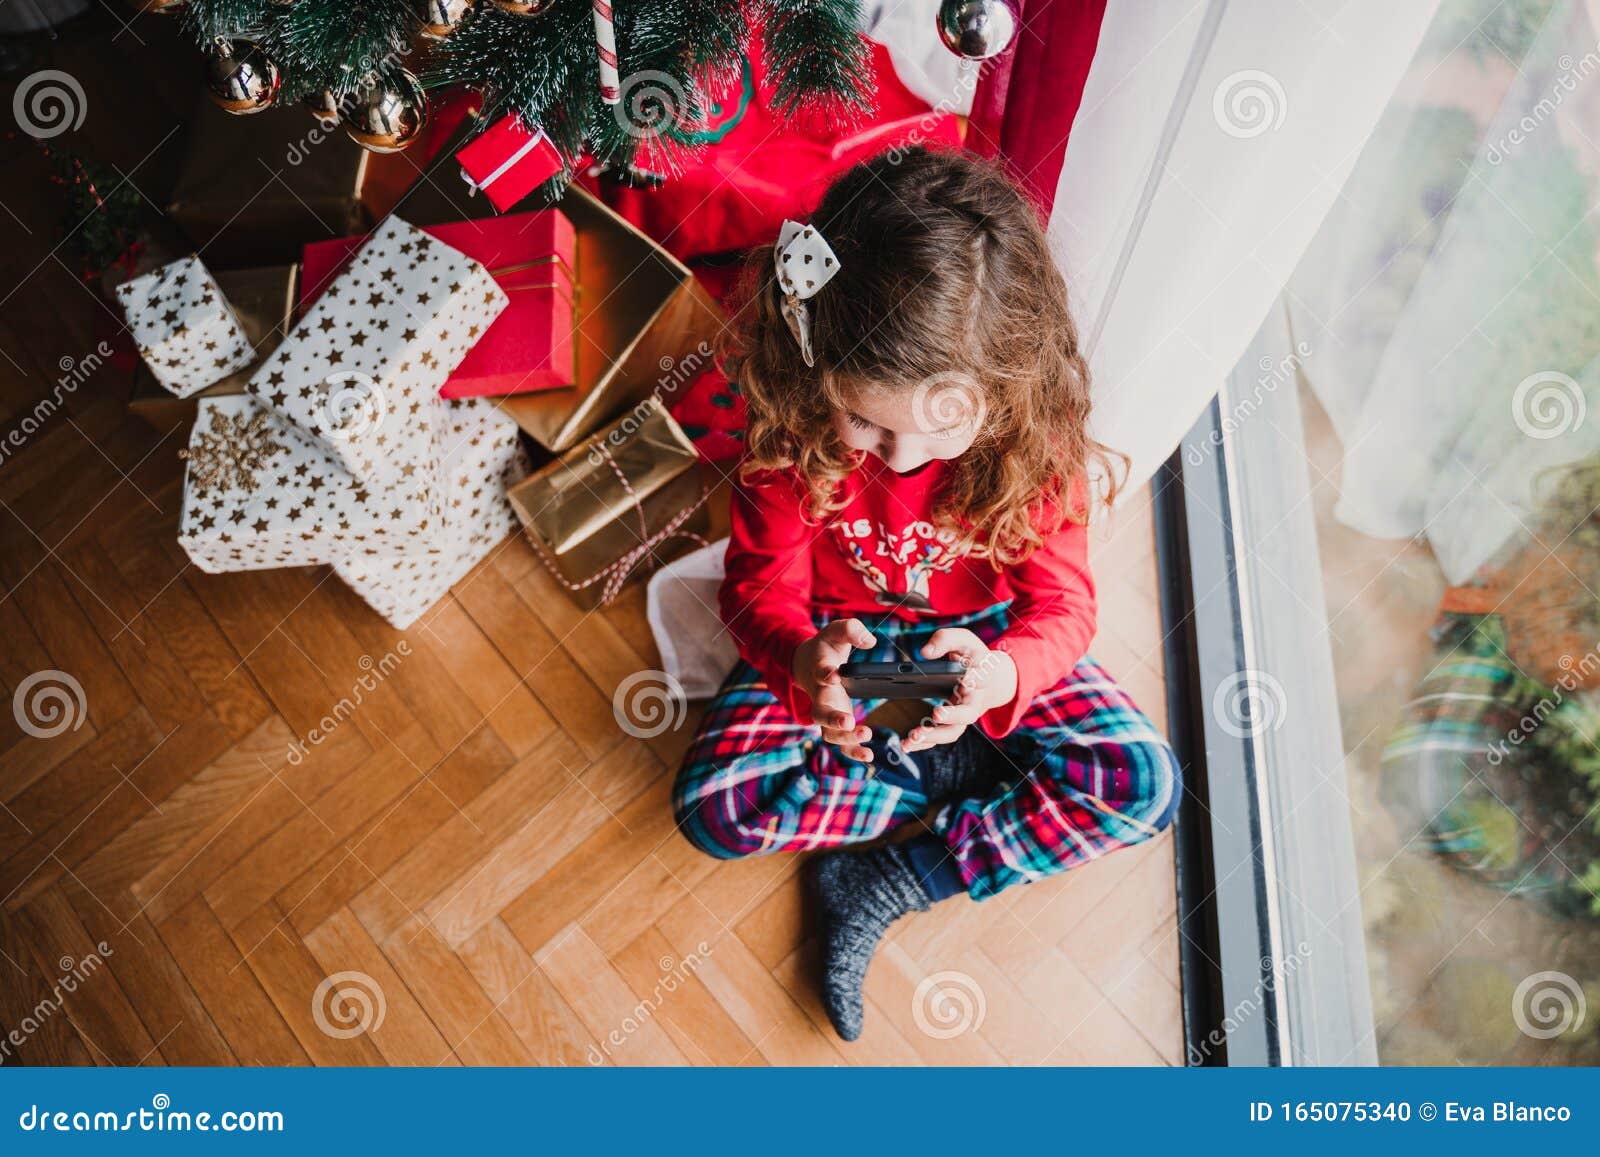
point(605, 39)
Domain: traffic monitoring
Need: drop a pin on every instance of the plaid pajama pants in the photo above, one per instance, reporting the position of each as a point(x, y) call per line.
point(1090, 775)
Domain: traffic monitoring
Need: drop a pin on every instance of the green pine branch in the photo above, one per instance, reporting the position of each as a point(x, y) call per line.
point(816, 57)
point(545, 69)
point(338, 44)
point(208, 20)
point(661, 91)
point(539, 67)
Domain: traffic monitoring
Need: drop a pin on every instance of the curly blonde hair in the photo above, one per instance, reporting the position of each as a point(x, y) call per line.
point(944, 273)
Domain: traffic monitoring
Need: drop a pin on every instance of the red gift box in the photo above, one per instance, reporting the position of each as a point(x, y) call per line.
point(508, 162)
point(531, 256)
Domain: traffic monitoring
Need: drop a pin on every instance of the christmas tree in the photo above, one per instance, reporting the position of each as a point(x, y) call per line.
point(623, 81)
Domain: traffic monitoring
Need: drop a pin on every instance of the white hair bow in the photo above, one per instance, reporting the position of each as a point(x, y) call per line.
point(805, 263)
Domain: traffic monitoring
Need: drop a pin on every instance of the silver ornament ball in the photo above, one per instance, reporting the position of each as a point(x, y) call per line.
point(977, 29)
point(385, 114)
point(240, 77)
point(439, 18)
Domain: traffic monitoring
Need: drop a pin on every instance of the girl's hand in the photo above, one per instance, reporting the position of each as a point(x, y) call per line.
point(815, 668)
point(990, 682)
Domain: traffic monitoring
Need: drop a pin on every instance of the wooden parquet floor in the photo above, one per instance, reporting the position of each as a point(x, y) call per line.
point(475, 848)
point(477, 838)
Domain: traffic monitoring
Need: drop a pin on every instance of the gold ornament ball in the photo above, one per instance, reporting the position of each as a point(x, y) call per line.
point(385, 114)
point(165, 7)
point(525, 7)
point(240, 77)
point(440, 18)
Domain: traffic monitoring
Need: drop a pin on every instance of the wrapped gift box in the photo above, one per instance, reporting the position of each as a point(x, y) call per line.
point(184, 327)
point(531, 256)
point(507, 161)
point(642, 318)
point(259, 493)
point(363, 367)
point(608, 511)
point(264, 301)
point(483, 457)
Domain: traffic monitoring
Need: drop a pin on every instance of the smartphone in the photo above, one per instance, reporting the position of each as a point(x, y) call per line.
point(925, 679)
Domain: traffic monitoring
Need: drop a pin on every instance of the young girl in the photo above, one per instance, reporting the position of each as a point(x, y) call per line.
point(915, 483)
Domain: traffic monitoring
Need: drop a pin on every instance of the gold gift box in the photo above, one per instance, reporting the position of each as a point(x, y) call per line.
point(641, 318)
point(586, 525)
point(264, 300)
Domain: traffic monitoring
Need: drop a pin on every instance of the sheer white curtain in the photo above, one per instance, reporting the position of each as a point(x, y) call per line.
point(1212, 140)
point(1452, 301)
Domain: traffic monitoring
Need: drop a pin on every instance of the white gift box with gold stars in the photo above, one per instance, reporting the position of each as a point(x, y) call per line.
point(185, 329)
point(261, 493)
point(483, 456)
point(361, 371)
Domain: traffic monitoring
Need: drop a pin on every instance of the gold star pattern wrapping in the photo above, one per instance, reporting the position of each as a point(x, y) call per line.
point(300, 507)
point(232, 452)
point(362, 370)
point(185, 329)
point(483, 457)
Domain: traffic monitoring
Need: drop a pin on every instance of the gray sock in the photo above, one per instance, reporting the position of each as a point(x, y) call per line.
point(971, 766)
point(861, 894)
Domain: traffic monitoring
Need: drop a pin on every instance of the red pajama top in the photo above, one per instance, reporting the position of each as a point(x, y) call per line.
point(881, 545)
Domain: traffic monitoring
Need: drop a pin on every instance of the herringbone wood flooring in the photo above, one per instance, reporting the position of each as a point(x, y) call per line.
point(478, 839)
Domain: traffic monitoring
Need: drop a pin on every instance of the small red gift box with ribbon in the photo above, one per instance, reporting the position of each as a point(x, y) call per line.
point(507, 161)
point(532, 257)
